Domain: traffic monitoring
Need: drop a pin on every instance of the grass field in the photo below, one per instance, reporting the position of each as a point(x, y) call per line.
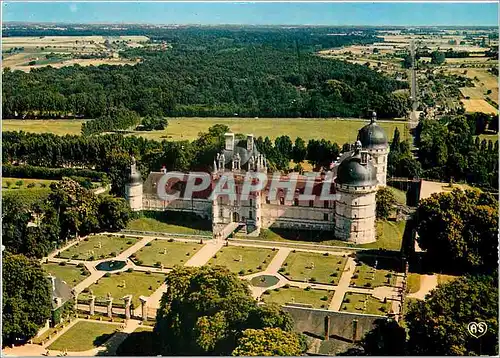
point(150, 224)
point(167, 253)
point(367, 276)
point(314, 267)
point(27, 196)
point(446, 278)
point(339, 131)
point(83, 336)
point(59, 126)
point(71, 274)
point(314, 297)
point(252, 259)
point(110, 247)
point(399, 195)
point(478, 105)
point(354, 302)
point(136, 284)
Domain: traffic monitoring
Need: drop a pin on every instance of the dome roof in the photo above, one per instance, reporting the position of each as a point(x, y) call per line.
point(372, 136)
point(135, 176)
point(352, 172)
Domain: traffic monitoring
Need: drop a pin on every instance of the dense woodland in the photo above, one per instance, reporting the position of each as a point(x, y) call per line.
point(214, 72)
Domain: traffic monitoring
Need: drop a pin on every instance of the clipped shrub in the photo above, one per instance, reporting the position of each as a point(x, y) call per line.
point(286, 286)
point(355, 275)
point(368, 284)
point(148, 272)
point(130, 269)
point(107, 274)
point(312, 279)
point(79, 265)
point(129, 242)
point(282, 269)
point(170, 240)
point(324, 298)
point(308, 288)
point(334, 274)
point(241, 272)
point(148, 244)
point(347, 300)
point(62, 263)
point(326, 254)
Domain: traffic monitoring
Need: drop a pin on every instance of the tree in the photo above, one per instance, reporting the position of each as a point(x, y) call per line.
point(268, 342)
point(396, 140)
point(385, 202)
point(299, 150)
point(284, 146)
point(437, 58)
point(205, 310)
point(114, 213)
point(438, 324)
point(26, 303)
point(459, 230)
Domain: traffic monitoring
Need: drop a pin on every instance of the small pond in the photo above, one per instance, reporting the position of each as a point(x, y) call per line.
point(111, 265)
point(264, 281)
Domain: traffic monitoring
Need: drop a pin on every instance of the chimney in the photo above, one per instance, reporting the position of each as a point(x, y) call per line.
point(249, 142)
point(364, 158)
point(229, 141)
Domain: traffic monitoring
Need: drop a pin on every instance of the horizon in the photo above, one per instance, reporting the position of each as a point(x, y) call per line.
point(382, 14)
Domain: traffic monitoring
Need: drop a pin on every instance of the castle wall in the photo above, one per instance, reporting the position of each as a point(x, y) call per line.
point(200, 207)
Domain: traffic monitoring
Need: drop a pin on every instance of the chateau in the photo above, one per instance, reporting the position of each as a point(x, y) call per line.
point(350, 216)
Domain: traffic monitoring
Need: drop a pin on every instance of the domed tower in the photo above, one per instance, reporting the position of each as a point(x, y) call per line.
point(133, 189)
point(374, 141)
point(356, 184)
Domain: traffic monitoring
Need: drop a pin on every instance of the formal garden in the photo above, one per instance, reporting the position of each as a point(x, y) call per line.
point(166, 253)
point(72, 275)
point(374, 271)
point(313, 267)
point(120, 284)
point(307, 296)
point(243, 260)
point(363, 303)
point(98, 247)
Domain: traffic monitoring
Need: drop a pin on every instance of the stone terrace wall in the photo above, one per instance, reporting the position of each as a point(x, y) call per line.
point(339, 325)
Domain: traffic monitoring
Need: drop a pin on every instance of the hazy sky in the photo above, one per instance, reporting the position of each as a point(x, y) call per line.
point(406, 14)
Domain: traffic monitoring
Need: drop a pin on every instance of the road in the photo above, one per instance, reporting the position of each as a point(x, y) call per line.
point(413, 122)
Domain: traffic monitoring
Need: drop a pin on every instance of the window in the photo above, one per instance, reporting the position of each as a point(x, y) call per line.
point(325, 216)
point(267, 200)
point(250, 202)
point(311, 203)
point(250, 215)
point(326, 204)
point(282, 201)
point(221, 213)
point(296, 202)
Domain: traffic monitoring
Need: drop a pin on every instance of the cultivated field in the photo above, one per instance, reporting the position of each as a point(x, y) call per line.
point(337, 130)
point(478, 105)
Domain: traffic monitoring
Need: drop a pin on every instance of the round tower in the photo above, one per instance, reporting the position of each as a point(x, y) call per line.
point(133, 189)
point(374, 140)
point(356, 186)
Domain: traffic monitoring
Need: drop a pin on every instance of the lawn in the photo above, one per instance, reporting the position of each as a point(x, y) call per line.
point(316, 298)
point(399, 195)
point(155, 225)
point(169, 254)
point(314, 267)
point(70, 274)
point(413, 282)
point(56, 126)
point(243, 260)
point(83, 336)
point(136, 284)
point(354, 302)
point(339, 131)
point(110, 246)
point(367, 276)
point(442, 279)
point(27, 196)
point(389, 236)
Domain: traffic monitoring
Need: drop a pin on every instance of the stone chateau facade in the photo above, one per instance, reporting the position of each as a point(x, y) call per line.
point(350, 217)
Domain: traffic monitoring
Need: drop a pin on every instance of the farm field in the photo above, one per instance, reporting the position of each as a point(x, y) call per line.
point(478, 105)
point(243, 260)
point(166, 253)
point(314, 297)
point(319, 268)
point(101, 246)
point(70, 274)
point(84, 335)
point(336, 130)
point(136, 284)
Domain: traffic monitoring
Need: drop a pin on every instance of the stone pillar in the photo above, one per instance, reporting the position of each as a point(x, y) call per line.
point(128, 301)
point(92, 305)
point(144, 308)
point(110, 307)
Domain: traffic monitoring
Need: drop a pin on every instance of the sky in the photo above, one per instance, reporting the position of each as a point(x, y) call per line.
point(255, 13)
